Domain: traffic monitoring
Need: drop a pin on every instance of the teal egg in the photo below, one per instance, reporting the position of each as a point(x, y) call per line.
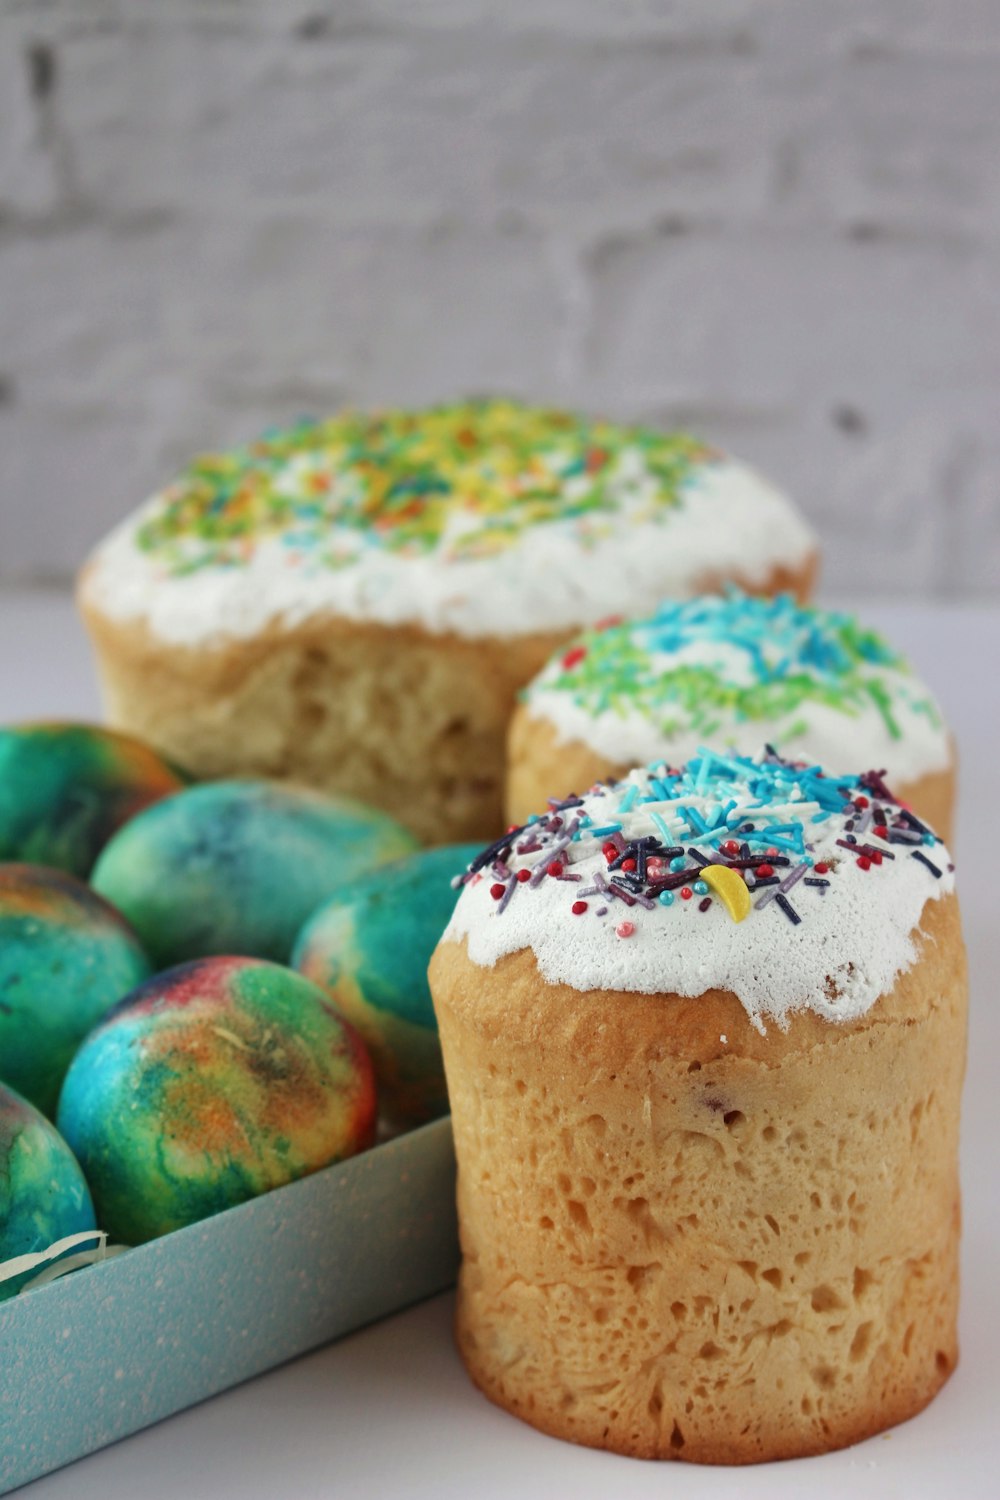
point(66, 957)
point(369, 946)
point(237, 866)
point(66, 788)
point(213, 1082)
point(43, 1195)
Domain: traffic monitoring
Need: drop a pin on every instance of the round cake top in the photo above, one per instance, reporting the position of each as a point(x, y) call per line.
point(736, 670)
point(484, 517)
point(792, 889)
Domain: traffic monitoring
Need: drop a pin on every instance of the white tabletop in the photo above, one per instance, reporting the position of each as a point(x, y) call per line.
point(389, 1412)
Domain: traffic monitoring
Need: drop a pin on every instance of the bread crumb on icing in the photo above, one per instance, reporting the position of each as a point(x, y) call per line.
point(607, 890)
point(482, 518)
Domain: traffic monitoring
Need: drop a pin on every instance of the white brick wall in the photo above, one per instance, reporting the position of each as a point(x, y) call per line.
point(775, 222)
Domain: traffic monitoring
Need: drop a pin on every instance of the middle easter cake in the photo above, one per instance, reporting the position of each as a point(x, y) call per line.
point(704, 1038)
point(732, 670)
point(353, 603)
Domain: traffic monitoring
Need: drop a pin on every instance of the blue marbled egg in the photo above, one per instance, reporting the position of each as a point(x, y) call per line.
point(237, 866)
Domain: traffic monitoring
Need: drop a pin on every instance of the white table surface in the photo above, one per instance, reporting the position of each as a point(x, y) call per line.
point(389, 1412)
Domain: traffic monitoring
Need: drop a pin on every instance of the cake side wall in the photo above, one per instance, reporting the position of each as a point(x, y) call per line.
point(682, 1251)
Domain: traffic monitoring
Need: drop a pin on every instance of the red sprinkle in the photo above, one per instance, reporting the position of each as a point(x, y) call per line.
point(880, 831)
point(821, 867)
point(764, 871)
point(730, 846)
point(555, 869)
point(609, 622)
point(864, 863)
point(496, 891)
point(523, 875)
point(610, 852)
point(861, 803)
point(578, 908)
point(628, 864)
point(574, 658)
point(625, 929)
point(686, 893)
point(771, 852)
point(876, 858)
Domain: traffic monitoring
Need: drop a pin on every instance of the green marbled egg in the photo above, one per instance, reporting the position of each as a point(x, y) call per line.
point(369, 947)
point(66, 957)
point(66, 788)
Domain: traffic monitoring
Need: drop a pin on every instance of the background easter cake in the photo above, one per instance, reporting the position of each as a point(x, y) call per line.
point(353, 603)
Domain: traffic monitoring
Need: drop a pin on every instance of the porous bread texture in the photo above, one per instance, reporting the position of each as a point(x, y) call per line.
point(408, 721)
point(540, 765)
point(682, 1239)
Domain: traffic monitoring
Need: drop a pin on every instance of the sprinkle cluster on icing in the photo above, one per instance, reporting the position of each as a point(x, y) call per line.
point(484, 519)
point(794, 889)
point(738, 669)
point(465, 479)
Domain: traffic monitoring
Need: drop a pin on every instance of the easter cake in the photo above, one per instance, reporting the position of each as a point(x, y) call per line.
point(704, 1035)
point(353, 603)
point(737, 671)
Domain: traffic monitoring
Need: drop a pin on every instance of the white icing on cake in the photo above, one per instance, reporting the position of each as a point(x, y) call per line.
point(549, 574)
point(853, 938)
point(628, 699)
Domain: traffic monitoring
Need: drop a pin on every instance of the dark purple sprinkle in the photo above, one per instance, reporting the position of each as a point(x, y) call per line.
point(675, 879)
point(630, 882)
point(703, 859)
point(849, 825)
point(704, 903)
point(754, 860)
point(497, 847)
point(640, 863)
point(899, 836)
point(601, 911)
point(766, 880)
point(848, 843)
point(951, 869)
point(619, 890)
point(748, 828)
point(913, 822)
point(815, 880)
point(745, 851)
point(788, 909)
point(916, 853)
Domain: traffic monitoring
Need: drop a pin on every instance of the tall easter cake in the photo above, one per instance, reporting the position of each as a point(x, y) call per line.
point(704, 1034)
point(353, 603)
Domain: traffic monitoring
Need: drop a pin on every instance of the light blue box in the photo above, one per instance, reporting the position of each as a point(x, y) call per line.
point(109, 1349)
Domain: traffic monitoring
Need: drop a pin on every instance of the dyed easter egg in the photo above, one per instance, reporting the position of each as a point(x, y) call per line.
point(66, 957)
point(66, 788)
point(369, 947)
point(237, 866)
point(43, 1195)
point(212, 1083)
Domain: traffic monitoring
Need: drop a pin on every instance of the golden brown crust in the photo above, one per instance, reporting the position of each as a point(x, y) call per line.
point(407, 720)
point(685, 1240)
point(541, 765)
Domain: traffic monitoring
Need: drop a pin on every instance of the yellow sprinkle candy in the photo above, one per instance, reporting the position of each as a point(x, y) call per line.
point(730, 887)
